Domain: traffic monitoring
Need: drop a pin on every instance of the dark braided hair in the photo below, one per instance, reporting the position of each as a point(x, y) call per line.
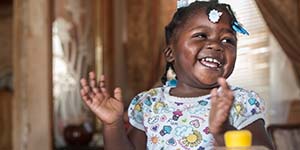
point(182, 15)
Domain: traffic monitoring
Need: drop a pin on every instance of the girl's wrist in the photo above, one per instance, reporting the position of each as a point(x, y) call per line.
point(117, 124)
point(219, 136)
point(227, 126)
point(221, 130)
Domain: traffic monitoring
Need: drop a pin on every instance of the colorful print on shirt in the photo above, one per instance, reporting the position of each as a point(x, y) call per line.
point(182, 123)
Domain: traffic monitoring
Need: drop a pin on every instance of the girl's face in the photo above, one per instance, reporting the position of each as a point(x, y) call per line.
point(204, 51)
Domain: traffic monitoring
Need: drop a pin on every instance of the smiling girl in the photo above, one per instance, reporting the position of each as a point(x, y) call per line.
point(194, 114)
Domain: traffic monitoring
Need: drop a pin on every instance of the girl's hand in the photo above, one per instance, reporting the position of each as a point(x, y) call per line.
point(108, 109)
point(220, 107)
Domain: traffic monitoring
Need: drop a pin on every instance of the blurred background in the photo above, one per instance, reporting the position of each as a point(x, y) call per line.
point(46, 46)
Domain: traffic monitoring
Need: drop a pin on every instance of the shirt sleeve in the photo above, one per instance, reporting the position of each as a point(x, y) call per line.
point(247, 108)
point(135, 112)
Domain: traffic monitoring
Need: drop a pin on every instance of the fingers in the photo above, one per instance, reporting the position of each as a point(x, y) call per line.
point(85, 87)
point(214, 95)
point(93, 92)
point(86, 99)
point(90, 90)
point(84, 92)
point(222, 97)
point(223, 84)
point(83, 82)
point(225, 92)
point(221, 102)
point(102, 86)
point(118, 94)
point(92, 77)
point(93, 88)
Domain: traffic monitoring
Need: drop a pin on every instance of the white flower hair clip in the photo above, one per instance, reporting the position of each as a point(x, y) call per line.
point(214, 15)
point(184, 3)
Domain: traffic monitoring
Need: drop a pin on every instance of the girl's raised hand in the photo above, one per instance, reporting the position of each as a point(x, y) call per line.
point(108, 109)
point(220, 107)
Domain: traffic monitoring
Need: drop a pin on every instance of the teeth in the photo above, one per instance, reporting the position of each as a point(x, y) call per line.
point(212, 60)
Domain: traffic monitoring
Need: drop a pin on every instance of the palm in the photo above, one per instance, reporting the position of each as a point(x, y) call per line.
point(108, 109)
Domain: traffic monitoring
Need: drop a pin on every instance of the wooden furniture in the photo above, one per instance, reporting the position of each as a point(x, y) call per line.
point(32, 75)
point(285, 136)
point(294, 112)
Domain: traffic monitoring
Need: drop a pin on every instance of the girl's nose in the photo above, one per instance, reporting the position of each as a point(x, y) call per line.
point(214, 46)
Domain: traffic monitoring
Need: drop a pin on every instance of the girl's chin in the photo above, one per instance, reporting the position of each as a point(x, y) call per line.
point(208, 78)
point(209, 85)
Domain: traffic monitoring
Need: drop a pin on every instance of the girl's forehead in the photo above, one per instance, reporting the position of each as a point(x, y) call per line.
point(213, 17)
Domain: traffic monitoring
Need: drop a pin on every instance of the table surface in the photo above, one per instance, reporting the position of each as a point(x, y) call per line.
point(80, 148)
point(243, 148)
point(101, 148)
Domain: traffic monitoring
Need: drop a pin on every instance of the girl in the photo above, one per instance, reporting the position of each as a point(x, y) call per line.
point(194, 114)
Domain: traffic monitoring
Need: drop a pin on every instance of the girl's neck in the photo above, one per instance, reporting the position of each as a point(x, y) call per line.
point(182, 90)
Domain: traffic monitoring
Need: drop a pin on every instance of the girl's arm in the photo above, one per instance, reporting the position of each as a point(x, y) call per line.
point(138, 138)
point(110, 110)
point(115, 138)
point(259, 134)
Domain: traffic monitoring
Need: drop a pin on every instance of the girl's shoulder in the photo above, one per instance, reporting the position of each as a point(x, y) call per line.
point(141, 104)
point(247, 107)
point(153, 93)
point(239, 91)
point(246, 96)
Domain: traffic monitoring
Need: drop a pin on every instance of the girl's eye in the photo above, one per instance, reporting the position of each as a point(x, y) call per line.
point(200, 35)
point(229, 41)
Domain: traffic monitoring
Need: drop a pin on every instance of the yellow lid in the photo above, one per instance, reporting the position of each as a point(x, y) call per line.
point(238, 138)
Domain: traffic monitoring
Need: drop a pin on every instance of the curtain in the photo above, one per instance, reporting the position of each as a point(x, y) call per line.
point(73, 46)
point(283, 88)
point(283, 19)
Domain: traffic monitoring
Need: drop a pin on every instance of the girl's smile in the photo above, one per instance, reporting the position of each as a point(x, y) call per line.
point(203, 51)
point(213, 62)
point(210, 62)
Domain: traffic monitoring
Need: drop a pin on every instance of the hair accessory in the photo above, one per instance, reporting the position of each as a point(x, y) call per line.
point(214, 15)
point(237, 27)
point(184, 3)
point(171, 74)
point(171, 78)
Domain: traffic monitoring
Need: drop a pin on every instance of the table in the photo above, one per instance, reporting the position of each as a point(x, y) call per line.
point(80, 148)
point(243, 148)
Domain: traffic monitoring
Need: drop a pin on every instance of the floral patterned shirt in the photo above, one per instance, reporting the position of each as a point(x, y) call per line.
point(182, 123)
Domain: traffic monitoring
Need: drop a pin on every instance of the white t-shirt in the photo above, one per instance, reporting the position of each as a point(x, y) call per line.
point(175, 123)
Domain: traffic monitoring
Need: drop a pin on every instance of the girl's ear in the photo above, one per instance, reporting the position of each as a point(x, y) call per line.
point(168, 52)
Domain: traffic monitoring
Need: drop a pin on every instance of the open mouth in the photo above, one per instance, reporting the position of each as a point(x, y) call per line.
point(211, 62)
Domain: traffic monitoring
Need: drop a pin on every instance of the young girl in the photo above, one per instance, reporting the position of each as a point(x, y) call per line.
point(194, 114)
